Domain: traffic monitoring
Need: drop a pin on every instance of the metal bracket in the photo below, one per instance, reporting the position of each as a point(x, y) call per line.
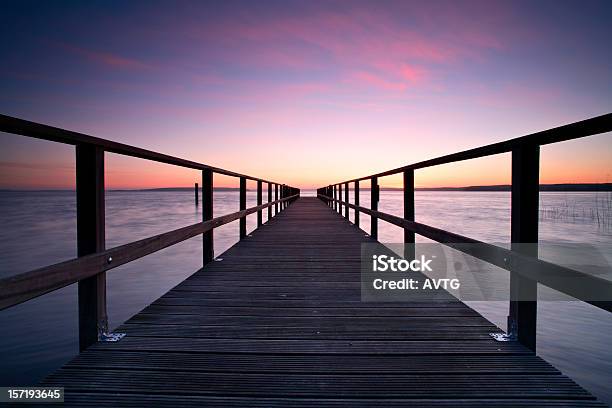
point(510, 336)
point(503, 337)
point(111, 337)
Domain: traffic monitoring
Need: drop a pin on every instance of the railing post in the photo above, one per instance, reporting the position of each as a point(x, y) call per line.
point(340, 198)
point(275, 199)
point(409, 252)
point(208, 252)
point(374, 196)
point(357, 203)
point(346, 199)
point(522, 320)
point(269, 201)
point(335, 198)
point(259, 202)
point(243, 183)
point(196, 193)
point(93, 320)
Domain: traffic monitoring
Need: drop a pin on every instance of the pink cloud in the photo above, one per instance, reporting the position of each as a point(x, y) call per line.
point(377, 81)
point(107, 59)
point(413, 74)
point(368, 45)
point(114, 61)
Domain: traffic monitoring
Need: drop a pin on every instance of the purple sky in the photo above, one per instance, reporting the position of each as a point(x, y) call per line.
point(305, 93)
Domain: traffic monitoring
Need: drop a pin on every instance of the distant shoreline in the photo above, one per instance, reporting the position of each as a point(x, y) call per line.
point(501, 187)
point(507, 187)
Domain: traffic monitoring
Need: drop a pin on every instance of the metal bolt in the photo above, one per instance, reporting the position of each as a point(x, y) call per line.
point(109, 260)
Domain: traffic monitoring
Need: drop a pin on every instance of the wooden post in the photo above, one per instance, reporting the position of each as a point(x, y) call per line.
point(269, 201)
point(259, 202)
point(357, 203)
point(409, 237)
point(93, 320)
point(208, 252)
point(346, 199)
point(374, 199)
point(524, 230)
point(196, 193)
point(282, 195)
point(275, 199)
point(243, 183)
point(335, 198)
point(340, 198)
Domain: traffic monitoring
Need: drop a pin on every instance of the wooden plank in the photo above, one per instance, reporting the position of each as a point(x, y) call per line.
point(322, 385)
point(388, 323)
point(476, 347)
point(100, 400)
point(157, 309)
point(312, 364)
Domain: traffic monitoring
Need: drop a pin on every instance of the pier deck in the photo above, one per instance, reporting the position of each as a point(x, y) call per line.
point(279, 322)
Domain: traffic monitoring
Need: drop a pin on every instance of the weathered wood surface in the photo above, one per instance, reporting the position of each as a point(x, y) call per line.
point(279, 322)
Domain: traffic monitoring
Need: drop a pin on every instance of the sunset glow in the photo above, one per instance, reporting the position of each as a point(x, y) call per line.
point(305, 93)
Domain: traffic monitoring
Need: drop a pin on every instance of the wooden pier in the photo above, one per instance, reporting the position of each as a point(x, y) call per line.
point(278, 319)
point(279, 322)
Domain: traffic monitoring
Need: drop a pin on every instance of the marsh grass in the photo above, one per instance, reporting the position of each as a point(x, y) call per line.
point(598, 213)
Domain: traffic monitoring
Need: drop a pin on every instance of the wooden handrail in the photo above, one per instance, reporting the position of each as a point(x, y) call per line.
point(28, 285)
point(595, 290)
point(23, 127)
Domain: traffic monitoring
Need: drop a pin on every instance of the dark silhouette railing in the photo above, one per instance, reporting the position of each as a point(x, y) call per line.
point(89, 269)
point(527, 270)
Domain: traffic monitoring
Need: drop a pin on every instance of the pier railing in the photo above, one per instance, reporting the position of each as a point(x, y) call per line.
point(89, 268)
point(526, 269)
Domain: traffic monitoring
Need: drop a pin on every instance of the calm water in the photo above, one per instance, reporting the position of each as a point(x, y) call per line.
point(38, 228)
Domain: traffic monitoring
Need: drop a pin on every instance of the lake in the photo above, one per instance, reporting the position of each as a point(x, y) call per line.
point(39, 228)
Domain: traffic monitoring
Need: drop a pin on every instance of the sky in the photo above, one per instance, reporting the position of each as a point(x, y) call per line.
point(304, 93)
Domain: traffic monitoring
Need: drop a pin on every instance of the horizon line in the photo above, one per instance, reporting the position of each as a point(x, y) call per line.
point(489, 187)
